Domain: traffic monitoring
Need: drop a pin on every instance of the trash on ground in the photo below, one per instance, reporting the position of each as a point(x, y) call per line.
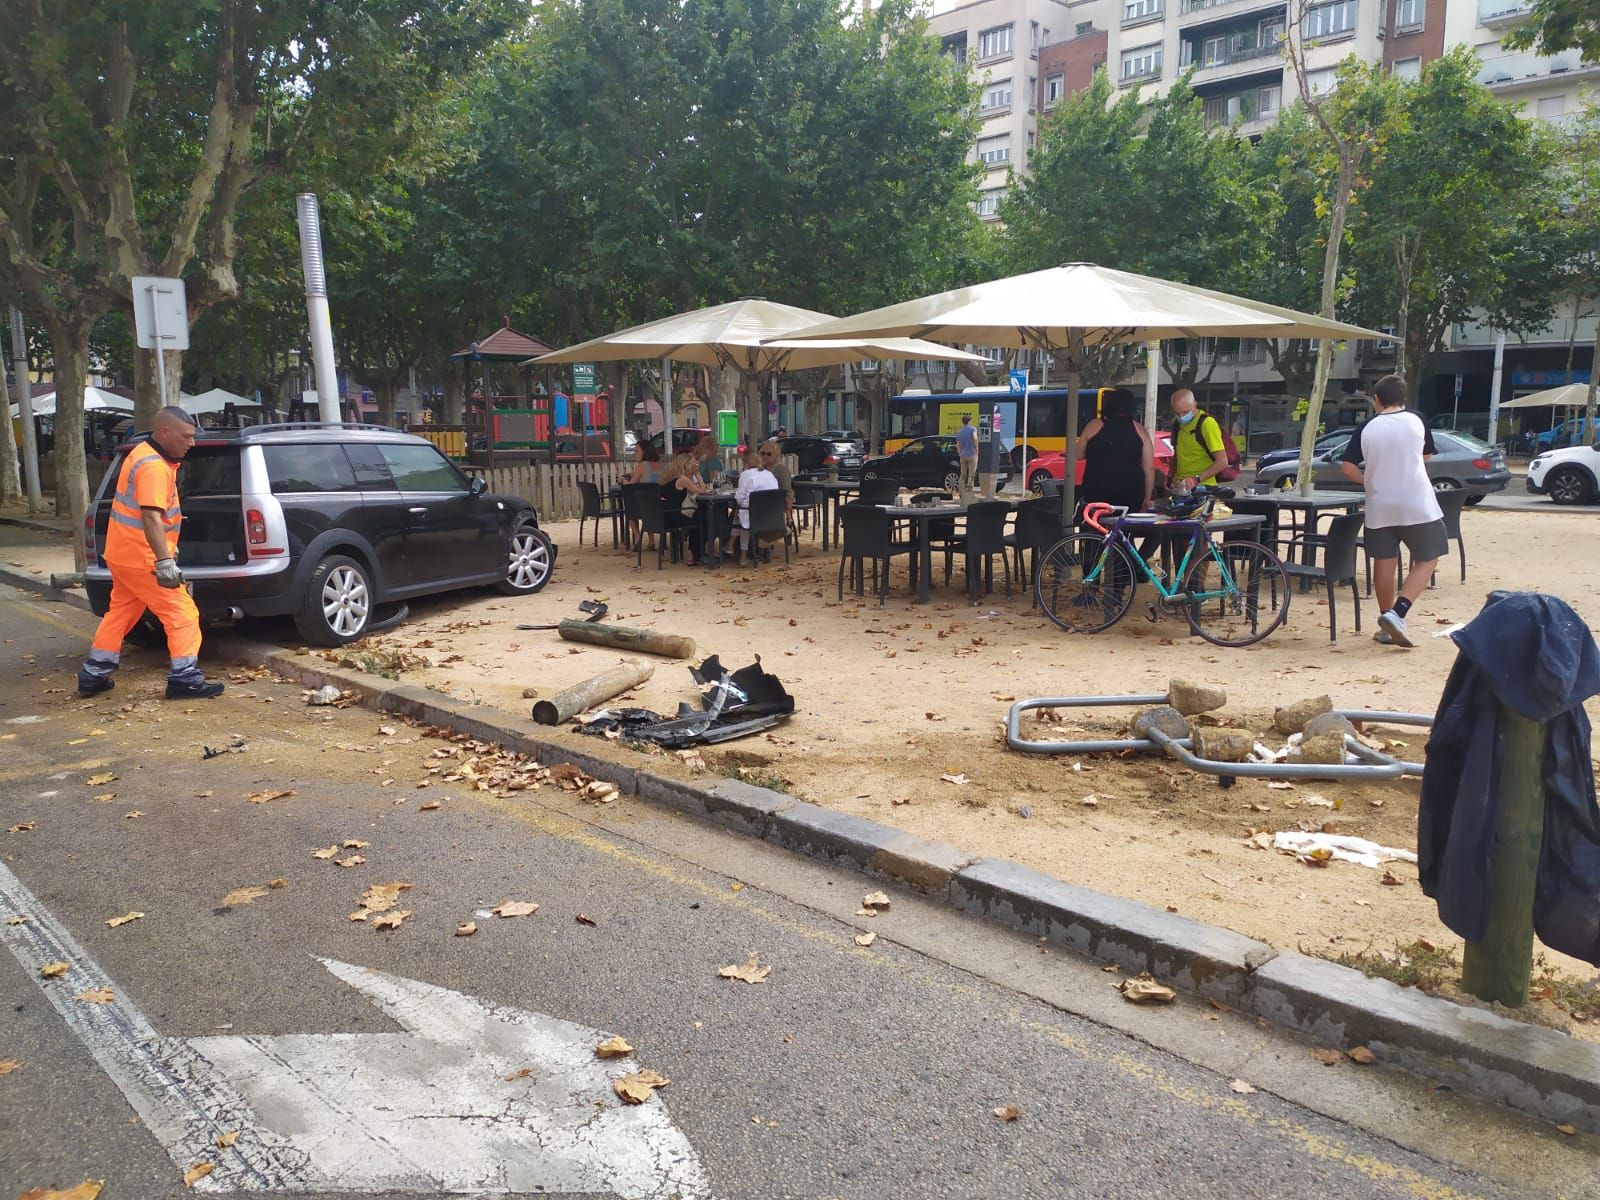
point(1340, 846)
point(596, 609)
point(735, 705)
point(1143, 989)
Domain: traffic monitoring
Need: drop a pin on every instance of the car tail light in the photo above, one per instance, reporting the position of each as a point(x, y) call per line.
point(255, 526)
point(829, 461)
point(88, 536)
point(1483, 464)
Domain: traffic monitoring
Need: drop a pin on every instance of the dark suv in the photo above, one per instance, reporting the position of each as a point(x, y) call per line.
point(326, 523)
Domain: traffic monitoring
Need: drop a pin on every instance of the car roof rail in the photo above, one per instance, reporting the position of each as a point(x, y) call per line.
point(280, 426)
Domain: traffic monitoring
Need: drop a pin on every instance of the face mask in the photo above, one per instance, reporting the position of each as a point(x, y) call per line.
point(1188, 416)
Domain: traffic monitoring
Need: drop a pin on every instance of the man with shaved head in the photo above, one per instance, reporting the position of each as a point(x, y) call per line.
point(141, 550)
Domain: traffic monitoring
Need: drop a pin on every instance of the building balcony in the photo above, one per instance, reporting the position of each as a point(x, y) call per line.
point(1496, 14)
point(1202, 12)
point(1514, 72)
point(1236, 63)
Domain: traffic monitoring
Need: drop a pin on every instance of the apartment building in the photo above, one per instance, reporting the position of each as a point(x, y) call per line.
point(999, 41)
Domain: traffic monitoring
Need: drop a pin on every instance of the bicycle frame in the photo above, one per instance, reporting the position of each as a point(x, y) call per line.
point(1199, 535)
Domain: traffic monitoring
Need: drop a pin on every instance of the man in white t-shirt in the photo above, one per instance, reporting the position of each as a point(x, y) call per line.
point(1388, 457)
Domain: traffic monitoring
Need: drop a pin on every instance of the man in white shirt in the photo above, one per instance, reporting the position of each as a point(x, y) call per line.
point(754, 478)
point(1388, 457)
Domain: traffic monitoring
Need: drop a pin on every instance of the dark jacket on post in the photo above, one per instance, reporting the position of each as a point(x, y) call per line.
point(1533, 654)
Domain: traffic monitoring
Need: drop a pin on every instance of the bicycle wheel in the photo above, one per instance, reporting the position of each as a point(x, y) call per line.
point(1239, 594)
point(1085, 586)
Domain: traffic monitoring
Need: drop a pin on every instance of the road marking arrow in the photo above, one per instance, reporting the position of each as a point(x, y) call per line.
point(427, 1110)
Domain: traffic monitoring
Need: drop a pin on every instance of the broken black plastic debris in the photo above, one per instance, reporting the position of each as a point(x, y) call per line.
point(734, 706)
point(596, 609)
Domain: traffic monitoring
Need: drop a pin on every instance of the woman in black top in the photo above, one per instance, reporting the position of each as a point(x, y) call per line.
point(1118, 455)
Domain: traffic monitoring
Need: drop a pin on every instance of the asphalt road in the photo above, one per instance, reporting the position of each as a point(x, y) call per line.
point(849, 1072)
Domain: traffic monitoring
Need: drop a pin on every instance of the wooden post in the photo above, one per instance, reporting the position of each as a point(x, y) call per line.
point(1499, 966)
point(621, 637)
point(579, 696)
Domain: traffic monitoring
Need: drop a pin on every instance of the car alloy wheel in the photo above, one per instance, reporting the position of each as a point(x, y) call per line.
point(345, 601)
point(952, 481)
point(1567, 486)
point(529, 566)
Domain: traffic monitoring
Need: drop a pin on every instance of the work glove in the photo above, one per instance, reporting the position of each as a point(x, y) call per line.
point(167, 573)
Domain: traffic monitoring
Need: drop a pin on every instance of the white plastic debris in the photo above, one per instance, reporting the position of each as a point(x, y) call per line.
point(327, 694)
point(1343, 847)
point(1456, 628)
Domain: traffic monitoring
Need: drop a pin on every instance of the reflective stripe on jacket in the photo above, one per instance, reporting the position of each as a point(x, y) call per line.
point(147, 479)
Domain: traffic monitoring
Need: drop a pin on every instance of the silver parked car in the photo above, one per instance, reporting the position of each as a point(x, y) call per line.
point(1462, 461)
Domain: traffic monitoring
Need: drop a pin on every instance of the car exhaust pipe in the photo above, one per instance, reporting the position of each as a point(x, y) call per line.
point(233, 613)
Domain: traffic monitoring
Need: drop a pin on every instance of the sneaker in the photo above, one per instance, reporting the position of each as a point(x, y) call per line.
point(1394, 625)
point(203, 690)
point(94, 685)
point(1382, 638)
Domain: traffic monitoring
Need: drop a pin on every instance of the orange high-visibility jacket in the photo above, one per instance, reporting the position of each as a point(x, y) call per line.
point(147, 480)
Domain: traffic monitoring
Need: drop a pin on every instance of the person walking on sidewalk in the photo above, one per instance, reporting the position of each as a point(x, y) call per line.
point(1387, 456)
point(142, 553)
point(967, 452)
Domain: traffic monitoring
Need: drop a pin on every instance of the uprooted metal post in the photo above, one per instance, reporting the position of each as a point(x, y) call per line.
point(1500, 966)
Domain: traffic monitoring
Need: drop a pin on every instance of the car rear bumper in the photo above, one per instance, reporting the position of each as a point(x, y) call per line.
point(1490, 481)
point(265, 589)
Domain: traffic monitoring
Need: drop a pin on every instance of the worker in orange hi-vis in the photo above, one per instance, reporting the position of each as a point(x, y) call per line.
point(141, 551)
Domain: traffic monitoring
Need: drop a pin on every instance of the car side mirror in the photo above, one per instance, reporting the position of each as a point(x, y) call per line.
point(478, 486)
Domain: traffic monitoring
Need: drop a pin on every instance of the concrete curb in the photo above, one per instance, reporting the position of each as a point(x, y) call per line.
point(28, 583)
point(38, 526)
point(1539, 1071)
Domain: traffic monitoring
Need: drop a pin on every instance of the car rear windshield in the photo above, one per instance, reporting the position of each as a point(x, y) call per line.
point(308, 468)
point(209, 471)
point(1468, 439)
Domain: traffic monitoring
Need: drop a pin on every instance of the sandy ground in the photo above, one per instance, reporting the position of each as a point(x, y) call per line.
point(890, 699)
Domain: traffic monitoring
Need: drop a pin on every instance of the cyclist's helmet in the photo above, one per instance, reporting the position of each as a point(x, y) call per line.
point(1182, 506)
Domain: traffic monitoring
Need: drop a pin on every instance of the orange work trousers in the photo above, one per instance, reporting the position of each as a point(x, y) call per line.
point(133, 590)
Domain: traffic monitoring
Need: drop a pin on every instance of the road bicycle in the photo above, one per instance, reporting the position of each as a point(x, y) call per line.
point(1233, 593)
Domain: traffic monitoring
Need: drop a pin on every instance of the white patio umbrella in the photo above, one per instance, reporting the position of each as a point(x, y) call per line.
point(1570, 395)
point(751, 335)
point(94, 400)
point(1073, 312)
point(215, 401)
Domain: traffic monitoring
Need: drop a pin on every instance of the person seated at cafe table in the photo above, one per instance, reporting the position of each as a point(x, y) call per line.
point(680, 484)
point(646, 469)
point(754, 478)
point(772, 460)
point(710, 461)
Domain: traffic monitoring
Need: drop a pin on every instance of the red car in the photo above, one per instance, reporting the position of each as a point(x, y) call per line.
point(1052, 464)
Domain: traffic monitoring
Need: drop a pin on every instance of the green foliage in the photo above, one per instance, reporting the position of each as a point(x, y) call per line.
point(1557, 25)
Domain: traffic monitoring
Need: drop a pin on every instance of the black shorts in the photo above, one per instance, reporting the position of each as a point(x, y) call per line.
point(1426, 542)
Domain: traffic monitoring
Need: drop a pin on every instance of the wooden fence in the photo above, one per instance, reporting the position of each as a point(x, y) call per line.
point(553, 490)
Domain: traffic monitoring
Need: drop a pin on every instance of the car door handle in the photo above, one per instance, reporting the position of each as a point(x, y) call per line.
point(420, 509)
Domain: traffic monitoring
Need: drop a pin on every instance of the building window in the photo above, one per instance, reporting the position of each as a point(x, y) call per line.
point(1214, 50)
point(1330, 20)
point(1138, 10)
point(1083, 27)
point(995, 151)
point(1407, 15)
point(1268, 101)
point(989, 202)
point(1320, 83)
point(997, 95)
point(956, 47)
point(995, 43)
point(1055, 86)
point(1033, 36)
point(1408, 68)
point(1141, 61)
point(1552, 107)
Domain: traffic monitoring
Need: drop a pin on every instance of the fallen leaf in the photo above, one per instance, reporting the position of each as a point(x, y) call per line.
point(1362, 1055)
point(583, 919)
point(52, 970)
point(350, 860)
point(613, 1047)
point(1569, 1130)
point(638, 1087)
point(87, 1190)
point(102, 779)
point(224, 1140)
point(352, 844)
point(736, 886)
point(18, 920)
point(519, 1073)
point(1143, 989)
point(105, 797)
point(958, 780)
point(515, 908)
point(428, 806)
point(390, 920)
point(1090, 801)
point(264, 797)
point(1240, 1086)
point(96, 996)
point(196, 1172)
point(326, 852)
point(750, 971)
point(131, 815)
point(933, 716)
point(386, 730)
point(1280, 785)
point(380, 897)
point(875, 900)
point(124, 919)
point(243, 895)
point(1390, 879)
point(275, 884)
point(1312, 800)
point(866, 939)
point(22, 828)
point(1376, 802)
point(1008, 1112)
point(467, 930)
point(1328, 1058)
point(8, 1065)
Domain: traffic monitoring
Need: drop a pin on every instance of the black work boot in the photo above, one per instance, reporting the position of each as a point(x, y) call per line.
point(94, 685)
point(204, 690)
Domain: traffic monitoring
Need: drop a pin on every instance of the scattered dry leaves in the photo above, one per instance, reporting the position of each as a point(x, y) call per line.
point(353, 844)
point(519, 1073)
point(23, 827)
point(1241, 1087)
point(102, 779)
point(243, 895)
point(196, 1172)
point(326, 852)
point(1008, 1112)
point(515, 908)
point(1362, 1055)
point(224, 1140)
point(585, 919)
point(264, 797)
point(8, 1065)
point(875, 900)
point(350, 860)
point(52, 970)
point(390, 920)
point(1143, 989)
point(428, 806)
point(87, 1190)
point(613, 1047)
point(750, 971)
point(1328, 1058)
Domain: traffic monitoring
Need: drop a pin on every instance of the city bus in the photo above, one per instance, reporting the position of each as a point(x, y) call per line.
point(915, 414)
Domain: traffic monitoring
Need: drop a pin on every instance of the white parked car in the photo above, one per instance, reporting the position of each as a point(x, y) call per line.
point(1567, 476)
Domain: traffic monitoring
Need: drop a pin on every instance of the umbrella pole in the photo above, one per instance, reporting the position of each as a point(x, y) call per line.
point(1069, 480)
point(666, 409)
